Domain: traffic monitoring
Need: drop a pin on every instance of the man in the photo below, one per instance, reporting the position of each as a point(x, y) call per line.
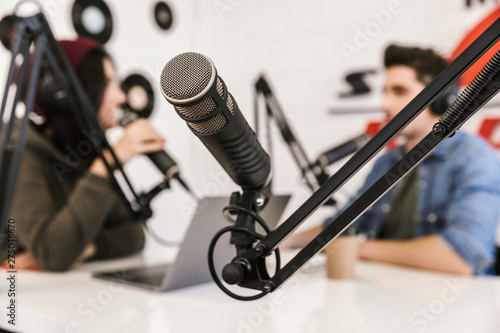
point(443, 215)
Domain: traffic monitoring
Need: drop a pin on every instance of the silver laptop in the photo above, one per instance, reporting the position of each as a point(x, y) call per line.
point(191, 264)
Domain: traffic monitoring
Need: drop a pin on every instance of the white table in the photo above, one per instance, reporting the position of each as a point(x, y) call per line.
point(381, 298)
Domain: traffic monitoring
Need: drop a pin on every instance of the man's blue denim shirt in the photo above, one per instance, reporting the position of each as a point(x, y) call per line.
point(459, 197)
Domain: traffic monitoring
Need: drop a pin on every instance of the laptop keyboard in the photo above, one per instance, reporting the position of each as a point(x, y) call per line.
point(148, 276)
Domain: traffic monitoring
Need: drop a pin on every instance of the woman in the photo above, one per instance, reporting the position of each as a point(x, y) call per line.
point(64, 206)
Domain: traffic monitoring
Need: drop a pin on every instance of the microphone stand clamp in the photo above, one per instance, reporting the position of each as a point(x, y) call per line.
point(143, 203)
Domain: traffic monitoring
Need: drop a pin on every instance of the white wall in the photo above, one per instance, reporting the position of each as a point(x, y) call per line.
point(298, 45)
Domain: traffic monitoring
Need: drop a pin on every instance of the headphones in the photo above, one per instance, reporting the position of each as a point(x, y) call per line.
point(441, 104)
point(54, 96)
point(137, 89)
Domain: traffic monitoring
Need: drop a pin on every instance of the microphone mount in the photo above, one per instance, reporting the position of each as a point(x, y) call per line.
point(145, 199)
point(246, 206)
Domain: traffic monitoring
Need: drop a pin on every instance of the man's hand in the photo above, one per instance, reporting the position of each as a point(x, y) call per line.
point(139, 138)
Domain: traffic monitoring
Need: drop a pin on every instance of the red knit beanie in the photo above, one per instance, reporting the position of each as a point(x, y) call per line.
point(75, 51)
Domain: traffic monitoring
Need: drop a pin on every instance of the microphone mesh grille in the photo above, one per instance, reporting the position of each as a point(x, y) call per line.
point(229, 103)
point(186, 76)
point(204, 107)
point(210, 126)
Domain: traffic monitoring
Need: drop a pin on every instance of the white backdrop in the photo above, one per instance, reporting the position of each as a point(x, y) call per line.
point(305, 48)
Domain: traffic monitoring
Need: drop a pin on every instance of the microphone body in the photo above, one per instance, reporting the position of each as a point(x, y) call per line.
point(337, 153)
point(190, 82)
point(166, 164)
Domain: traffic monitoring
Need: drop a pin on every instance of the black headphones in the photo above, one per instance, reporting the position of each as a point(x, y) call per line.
point(56, 98)
point(444, 100)
point(53, 95)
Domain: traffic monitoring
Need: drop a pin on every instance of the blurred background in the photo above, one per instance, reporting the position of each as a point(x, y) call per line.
point(308, 51)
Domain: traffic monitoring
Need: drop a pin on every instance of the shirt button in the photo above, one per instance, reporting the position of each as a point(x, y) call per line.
point(432, 217)
point(386, 208)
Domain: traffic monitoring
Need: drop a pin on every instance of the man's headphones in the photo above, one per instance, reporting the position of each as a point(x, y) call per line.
point(444, 100)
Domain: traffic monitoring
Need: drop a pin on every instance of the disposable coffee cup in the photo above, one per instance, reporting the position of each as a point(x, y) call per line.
point(341, 257)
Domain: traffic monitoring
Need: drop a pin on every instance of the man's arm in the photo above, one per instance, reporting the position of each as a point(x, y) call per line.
point(429, 252)
point(466, 243)
point(301, 239)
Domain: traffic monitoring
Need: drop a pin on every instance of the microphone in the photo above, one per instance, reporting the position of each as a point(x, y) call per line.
point(337, 153)
point(161, 159)
point(190, 83)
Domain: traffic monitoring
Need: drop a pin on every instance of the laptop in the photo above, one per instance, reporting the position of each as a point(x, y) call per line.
point(191, 264)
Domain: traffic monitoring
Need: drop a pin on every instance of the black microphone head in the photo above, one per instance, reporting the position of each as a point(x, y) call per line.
point(188, 78)
point(339, 152)
point(190, 82)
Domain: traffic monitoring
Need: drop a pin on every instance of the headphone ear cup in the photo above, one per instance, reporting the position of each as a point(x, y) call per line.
point(441, 104)
point(53, 96)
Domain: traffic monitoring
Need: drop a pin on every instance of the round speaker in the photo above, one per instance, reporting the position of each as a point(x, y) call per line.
point(163, 15)
point(8, 30)
point(140, 96)
point(92, 18)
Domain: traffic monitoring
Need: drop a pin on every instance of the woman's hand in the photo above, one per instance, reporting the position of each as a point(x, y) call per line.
point(24, 260)
point(139, 138)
